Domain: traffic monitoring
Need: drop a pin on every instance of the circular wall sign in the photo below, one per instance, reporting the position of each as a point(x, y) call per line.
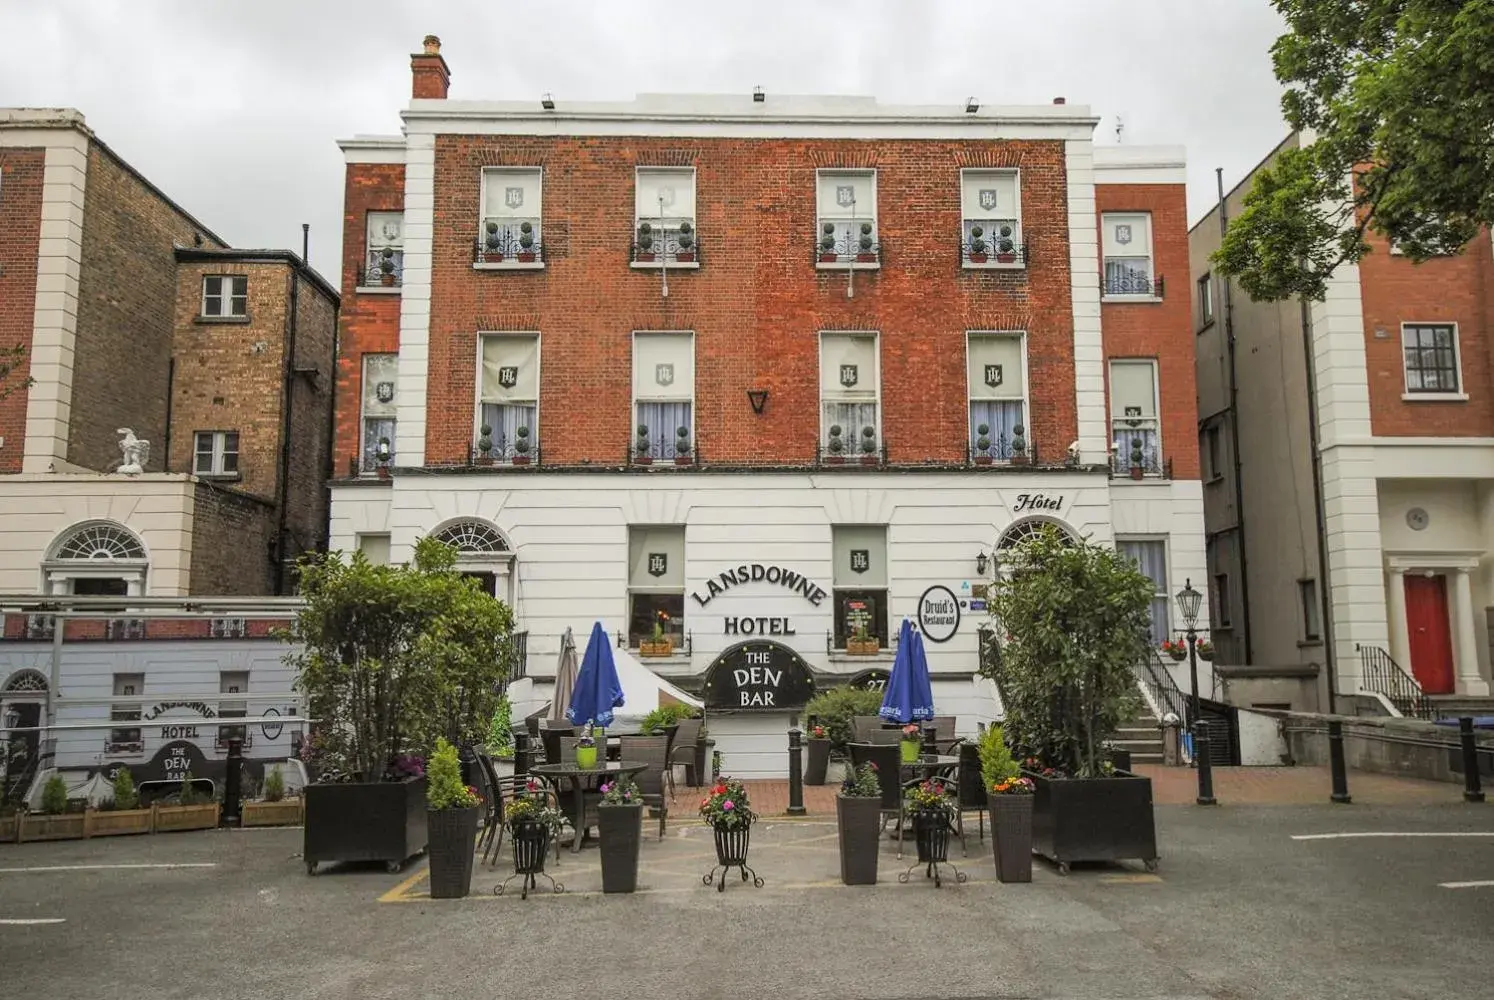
point(272, 730)
point(938, 614)
point(1417, 519)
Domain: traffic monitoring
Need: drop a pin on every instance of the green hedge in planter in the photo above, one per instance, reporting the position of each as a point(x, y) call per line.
point(836, 708)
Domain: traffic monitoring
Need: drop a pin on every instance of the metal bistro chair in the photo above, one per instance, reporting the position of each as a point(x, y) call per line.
point(653, 751)
point(888, 760)
point(551, 736)
point(487, 787)
point(864, 727)
point(970, 789)
point(504, 790)
point(669, 732)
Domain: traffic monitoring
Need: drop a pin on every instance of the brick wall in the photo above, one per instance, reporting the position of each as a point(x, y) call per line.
point(311, 411)
point(1161, 330)
point(368, 323)
point(83, 629)
point(1442, 290)
point(756, 305)
point(228, 372)
point(231, 535)
point(126, 301)
point(20, 220)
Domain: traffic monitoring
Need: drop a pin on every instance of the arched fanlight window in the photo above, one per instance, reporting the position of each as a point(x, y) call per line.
point(471, 536)
point(100, 540)
point(26, 680)
point(1032, 527)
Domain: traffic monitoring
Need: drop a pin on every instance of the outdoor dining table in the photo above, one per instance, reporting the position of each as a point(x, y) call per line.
point(580, 777)
point(929, 765)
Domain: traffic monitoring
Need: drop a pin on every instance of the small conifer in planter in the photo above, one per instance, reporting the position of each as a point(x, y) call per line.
point(494, 242)
point(386, 267)
point(686, 243)
point(983, 444)
point(521, 446)
point(978, 246)
point(1019, 445)
point(451, 818)
point(642, 447)
point(827, 243)
point(865, 248)
point(645, 252)
point(1138, 459)
point(836, 445)
point(485, 444)
point(868, 445)
point(1006, 250)
point(682, 445)
point(526, 242)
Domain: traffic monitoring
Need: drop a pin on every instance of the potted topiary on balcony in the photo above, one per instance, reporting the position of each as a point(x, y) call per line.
point(836, 446)
point(485, 444)
point(494, 243)
point(858, 821)
point(868, 445)
point(686, 243)
point(645, 251)
point(978, 246)
point(1006, 250)
point(451, 819)
point(865, 247)
point(526, 243)
point(642, 447)
point(1138, 459)
point(1019, 445)
point(983, 445)
point(827, 243)
point(682, 445)
point(521, 445)
point(386, 267)
point(1067, 677)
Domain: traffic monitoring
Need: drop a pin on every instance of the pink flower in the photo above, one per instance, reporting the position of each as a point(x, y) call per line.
point(727, 805)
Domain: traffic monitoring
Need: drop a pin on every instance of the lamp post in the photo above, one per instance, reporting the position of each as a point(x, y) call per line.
point(1188, 604)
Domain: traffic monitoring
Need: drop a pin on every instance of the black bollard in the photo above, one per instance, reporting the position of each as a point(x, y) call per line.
point(1201, 757)
point(233, 782)
point(521, 754)
point(1472, 786)
point(796, 773)
point(1336, 762)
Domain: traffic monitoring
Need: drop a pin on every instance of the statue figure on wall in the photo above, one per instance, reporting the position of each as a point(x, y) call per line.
point(136, 452)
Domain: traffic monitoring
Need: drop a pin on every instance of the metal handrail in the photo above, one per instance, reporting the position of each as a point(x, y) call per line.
point(1153, 674)
point(1382, 675)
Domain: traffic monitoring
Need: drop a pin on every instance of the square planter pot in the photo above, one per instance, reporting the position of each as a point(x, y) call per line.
point(621, 832)
point(9, 828)
point(817, 762)
point(286, 812)
point(66, 826)
point(1093, 819)
point(365, 821)
point(520, 460)
point(1011, 836)
point(683, 460)
point(664, 648)
point(117, 822)
point(859, 821)
point(862, 647)
point(982, 459)
point(453, 842)
point(172, 819)
point(643, 460)
point(1019, 458)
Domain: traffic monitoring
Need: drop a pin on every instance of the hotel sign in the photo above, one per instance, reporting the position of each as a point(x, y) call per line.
point(758, 676)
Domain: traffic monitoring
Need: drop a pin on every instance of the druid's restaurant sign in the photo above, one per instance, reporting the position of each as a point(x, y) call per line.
point(762, 676)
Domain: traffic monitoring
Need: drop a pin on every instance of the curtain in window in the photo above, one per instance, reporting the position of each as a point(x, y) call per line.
point(1151, 558)
point(375, 428)
point(505, 419)
point(852, 419)
point(1000, 415)
point(663, 420)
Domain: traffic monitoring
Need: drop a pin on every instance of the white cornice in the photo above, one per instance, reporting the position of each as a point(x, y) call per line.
point(1141, 165)
point(373, 149)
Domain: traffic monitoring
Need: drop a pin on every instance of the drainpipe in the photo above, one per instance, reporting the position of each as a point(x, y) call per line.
point(330, 466)
point(1234, 435)
point(288, 391)
point(170, 389)
point(1325, 586)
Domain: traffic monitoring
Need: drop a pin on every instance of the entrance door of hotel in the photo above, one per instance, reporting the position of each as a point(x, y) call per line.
point(1429, 634)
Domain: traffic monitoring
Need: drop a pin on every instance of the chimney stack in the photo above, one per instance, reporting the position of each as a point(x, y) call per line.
point(430, 76)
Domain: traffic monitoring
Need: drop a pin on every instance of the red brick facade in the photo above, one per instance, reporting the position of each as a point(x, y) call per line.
point(1458, 290)
point(21, 172)
point(1160, 330)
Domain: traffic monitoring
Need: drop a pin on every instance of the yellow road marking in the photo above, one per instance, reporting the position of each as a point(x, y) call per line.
point(398, 893)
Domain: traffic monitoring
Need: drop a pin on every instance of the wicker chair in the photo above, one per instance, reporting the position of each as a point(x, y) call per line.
point(863, 727)
point(551, 736)
point(686, 746)
point(970, 789)
point(887, 757)
point(653, 751)
point(944, 731)
point(669, 732)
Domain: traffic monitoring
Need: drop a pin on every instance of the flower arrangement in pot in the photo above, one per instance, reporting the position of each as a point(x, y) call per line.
point(1205, 650)
point(932, 809)
point(983, 444)
point(1175, 648)
point(858, 814)
point(451, 820)
point(817, 763)
point(532, 824)
point(642, 447)
point(521, 445)
point(659, 643)
point(911, 744)
point(728, 812)
point(1009, 797)
point(586, 747)
point(861, 642)
point(620, 826)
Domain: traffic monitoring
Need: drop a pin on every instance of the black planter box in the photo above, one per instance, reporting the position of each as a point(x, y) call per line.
point(1120, 758)
point(365, 821)
point(818, 762)
point(1011, 836)
point(453, 842)
point(859, 820)
point(621, 832)
point(1093, 819)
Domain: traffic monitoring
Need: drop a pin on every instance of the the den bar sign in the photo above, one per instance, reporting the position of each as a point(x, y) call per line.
point(761, 675)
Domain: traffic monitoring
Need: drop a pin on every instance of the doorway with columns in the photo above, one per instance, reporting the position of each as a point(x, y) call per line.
point(1433, 625)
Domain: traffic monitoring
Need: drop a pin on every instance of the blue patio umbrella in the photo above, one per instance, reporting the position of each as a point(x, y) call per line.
point(909, 696)
point(597, 691)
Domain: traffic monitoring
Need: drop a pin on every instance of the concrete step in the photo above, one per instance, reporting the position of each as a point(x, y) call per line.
point(1452, 706)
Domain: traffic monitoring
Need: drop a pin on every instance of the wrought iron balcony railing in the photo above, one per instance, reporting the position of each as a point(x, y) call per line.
point(1134, 283)
point(382, 267)
point(500, 449)
point(848, 241)
point(1002, 449)
point(1136, 451)
point(993, 243)
point(657, 244)
point(509, 241)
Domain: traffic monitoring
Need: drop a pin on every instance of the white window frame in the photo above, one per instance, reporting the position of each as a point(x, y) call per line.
point(854, 454)
point(1121, 463)
point(219, 454)
point(539, 372)
point(370, 272)
point(1166, 592)
point(1021, 261)
point(363, 418)
point(1461, 395)
point(666, 258)
point(1151, 260)
point(1205, 287)
point(1021, 337)
point(633, 380)
point(850, 260)
point(225, 300)
point(510, 262)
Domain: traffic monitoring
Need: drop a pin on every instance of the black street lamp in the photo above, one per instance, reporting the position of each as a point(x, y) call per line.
point(1189, 601)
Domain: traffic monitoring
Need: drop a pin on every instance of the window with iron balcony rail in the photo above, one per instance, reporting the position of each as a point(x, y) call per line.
point(998, 399)
point(1129, 264)
point(664, 233)
point(846, 231)
point(509, 234)
point(992, 220)
point(508, 399)
point(663, 398)
point(850, 395)
point(1136, 436)
point(384, 251)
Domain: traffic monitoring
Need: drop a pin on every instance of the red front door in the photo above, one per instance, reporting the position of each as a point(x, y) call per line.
point(1431, 638)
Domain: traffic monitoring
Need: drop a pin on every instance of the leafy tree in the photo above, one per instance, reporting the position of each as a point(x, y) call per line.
point(10, 360)
point(1394, 94)
point(54, 796)
point(500, 730)
point(125, 795)
point(396, 656)
point(1074, 618)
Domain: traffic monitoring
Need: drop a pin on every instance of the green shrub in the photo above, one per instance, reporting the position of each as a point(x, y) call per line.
point(125, 796)
point(54, 796)
point(443, 772)
point(500, 741)
point(834, 709)
point(188, 795)
point(667, 715)
point(274, 788)
point(996, 761)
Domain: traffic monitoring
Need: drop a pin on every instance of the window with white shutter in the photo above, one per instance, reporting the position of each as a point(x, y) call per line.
point(510, 235)
point(384, 252)
point(664, 217)
point(508, 398)
point(998, 398)
point(991, 212)
point(1135, 430)
point(656, 584)
point(1126, 241)
point(859, 579)
point(663, 397)
point(850, 390)
point(379, 374)
point(847, 217)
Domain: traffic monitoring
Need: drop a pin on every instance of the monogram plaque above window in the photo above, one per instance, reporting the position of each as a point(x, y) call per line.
point(845, 195)
point(658, 563)
point(513, 197)
point(384, 392)
point(508, 376)
point(993, 375)
point(988, 198)
point(664, 373)
point(848, 375)
point(860, 560)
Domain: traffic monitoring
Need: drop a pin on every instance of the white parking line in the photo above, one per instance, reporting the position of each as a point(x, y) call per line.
point(4, 922)
point(95, 868)
point(1466, 885)
point(1351, 836)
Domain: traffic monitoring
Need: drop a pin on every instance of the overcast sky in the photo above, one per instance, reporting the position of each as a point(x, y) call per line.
point(233, 108)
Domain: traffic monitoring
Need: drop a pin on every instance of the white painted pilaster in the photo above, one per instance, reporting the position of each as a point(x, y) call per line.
point(1469, 680)
point(1084, 266)
point(415, 302)
point(1400, 638)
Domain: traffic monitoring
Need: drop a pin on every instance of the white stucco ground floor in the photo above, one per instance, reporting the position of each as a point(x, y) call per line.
point(764, 569)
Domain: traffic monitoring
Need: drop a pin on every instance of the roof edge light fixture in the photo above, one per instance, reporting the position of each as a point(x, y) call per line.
point(547, 102)
point(971, 105)
point(758, 96)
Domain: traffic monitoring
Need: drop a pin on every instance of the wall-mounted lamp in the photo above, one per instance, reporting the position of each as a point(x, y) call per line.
point(758, 398)
point(971, 106)
point(758, 96)
point(12, 718)
point(547, 102)
point(981, 562)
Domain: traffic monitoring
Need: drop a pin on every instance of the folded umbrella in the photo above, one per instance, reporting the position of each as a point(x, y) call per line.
point(565, 678)
point(909, 696)
point(597, 691)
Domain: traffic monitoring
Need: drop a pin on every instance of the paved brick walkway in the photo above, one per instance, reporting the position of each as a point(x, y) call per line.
point(1242, 786)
